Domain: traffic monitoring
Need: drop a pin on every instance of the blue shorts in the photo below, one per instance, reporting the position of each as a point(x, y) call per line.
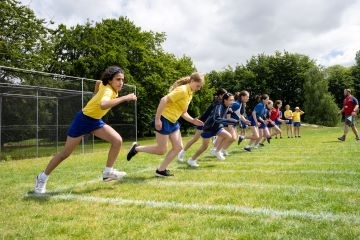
point(199, 127)
point(252, 122)
point(277, 122)
point(297, 124)
point(83, 124)
point(211, 133)
point(262, 126)
point(167, 126)
point(289, 121)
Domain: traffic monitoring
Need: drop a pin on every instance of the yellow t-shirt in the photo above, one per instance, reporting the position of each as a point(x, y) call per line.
point(296, 116)
point(288, 114)
point(180, 99)
point(92, 108)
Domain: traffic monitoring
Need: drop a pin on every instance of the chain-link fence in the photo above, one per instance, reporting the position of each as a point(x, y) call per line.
point(36, 109)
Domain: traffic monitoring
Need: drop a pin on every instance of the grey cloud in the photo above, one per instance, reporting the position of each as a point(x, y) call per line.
point(216, 34)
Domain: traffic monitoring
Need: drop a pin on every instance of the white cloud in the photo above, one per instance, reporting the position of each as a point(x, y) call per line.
point(217, 34)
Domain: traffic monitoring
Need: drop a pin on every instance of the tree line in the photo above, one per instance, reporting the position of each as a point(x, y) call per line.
point(86, 50)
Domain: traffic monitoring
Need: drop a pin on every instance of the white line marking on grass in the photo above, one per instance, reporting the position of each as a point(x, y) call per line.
point(321, 216)
point(278, 163)
point(274, 172)
point(226, 184)
point(249, 185)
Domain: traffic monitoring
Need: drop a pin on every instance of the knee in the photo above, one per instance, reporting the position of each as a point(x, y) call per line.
point(162, 150)
point(177, 148)
point(204, 146)
point(117, 141)
point(64, 155)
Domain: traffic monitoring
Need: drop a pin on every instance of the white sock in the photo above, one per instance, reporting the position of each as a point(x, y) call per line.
point(108, 169)
point(43, 176)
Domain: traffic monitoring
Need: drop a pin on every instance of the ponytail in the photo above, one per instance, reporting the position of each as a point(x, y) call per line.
point(196, 77)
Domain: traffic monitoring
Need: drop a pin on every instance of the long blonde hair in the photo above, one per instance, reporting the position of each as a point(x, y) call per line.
point(196, 77)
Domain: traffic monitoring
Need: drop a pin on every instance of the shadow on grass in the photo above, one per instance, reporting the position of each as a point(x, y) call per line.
point(135, 179)
point(32, 196)
point(241, 151)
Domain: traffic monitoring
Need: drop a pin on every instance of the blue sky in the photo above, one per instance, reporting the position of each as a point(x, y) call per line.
point(217, 34)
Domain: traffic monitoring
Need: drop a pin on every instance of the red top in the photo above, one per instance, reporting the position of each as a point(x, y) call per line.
point(349, 104)
point(274, 114)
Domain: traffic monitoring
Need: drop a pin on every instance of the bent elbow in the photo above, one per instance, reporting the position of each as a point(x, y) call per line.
point(103, 106)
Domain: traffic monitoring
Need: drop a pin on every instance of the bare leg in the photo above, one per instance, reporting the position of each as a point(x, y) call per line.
point(234, 136)
point(261, 135)
point(346, 129)
point(108, 134)
point(193, 140)
point(355, 131)
point(296, 131)
point(160, 148)
point(176, 142)
point(217, 142)
point(202, 148)
point(226, 140)
point(255, 135)
point(277, 131)
point(69, 147)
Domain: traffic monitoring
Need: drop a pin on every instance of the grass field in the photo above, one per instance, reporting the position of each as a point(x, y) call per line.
point(307, 188)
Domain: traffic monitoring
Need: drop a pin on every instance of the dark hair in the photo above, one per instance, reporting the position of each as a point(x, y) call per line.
point(220, 91)
point(277, 103)
point(109, 74)
point(262, 97)
point(239, 95)
point(226, 96)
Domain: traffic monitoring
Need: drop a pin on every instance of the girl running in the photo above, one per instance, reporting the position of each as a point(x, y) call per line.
point(199, 129)
point(256, 117)
point(214, 126)
point(88, 120)
point(171, 107)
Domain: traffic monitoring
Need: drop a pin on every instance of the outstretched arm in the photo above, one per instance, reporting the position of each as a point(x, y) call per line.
point(192, 120)
point(105, 104)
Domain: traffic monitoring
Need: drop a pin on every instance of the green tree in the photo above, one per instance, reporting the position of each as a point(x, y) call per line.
point(319, 105)
point(85, 50)
point(286, 82)
point(339, 78)
point(24, 43)
point(280, 75)
point(355, 72)
point(23, 37)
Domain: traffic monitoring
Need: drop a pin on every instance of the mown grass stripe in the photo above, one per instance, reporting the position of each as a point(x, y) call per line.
point(274, 172)
point(321, 216)
point(250, 185)
point(292, 163)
